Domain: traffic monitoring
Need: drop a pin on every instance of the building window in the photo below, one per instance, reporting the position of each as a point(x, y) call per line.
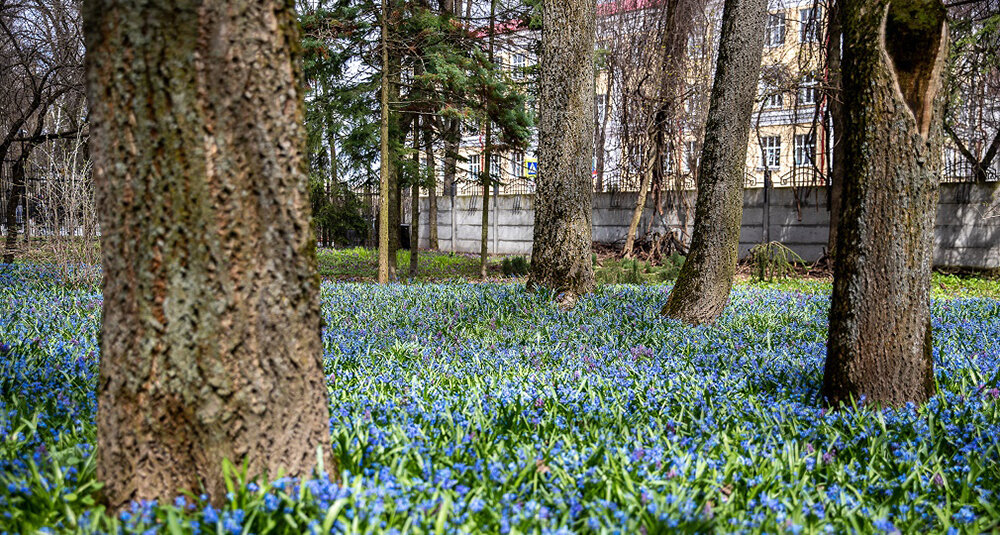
point(475, 167)
point(667, 159)
point(807, 90)
point(805, 150)
point(517, 63)
point(771, 96)
point(517, 164)
point(690, 161)
point(599, 107)
point(775, 32)
point(495, 167)
point(695, 43)
point(809, 31)
point(770, 149)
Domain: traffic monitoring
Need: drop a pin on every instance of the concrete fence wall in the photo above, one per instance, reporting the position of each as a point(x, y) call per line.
point(967, 231)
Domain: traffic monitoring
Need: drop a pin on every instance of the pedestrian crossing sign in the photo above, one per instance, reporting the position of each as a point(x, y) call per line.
point(531, 167)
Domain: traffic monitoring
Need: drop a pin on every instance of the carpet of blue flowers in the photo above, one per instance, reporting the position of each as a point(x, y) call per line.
point(480, 408)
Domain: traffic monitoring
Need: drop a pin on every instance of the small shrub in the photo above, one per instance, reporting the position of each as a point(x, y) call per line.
point(515, 266)
point(772, 260)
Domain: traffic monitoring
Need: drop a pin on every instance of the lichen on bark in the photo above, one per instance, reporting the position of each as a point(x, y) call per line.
point(561, 250)
point(702, 288)
point(879, 343)
point(210, 336)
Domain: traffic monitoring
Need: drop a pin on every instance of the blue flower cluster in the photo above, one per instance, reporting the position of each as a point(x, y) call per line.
point(480, 408)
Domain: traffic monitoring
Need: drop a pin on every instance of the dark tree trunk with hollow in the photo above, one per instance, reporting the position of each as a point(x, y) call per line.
point(210, 337)
point(880, 338)
point(702, 288)
point(560, 254)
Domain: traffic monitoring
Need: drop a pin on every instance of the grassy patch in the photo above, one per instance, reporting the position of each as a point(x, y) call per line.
point(361, 264)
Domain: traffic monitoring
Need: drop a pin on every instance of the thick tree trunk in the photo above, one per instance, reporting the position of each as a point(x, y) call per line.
point(560, 255)
point(836, 105)
point(210, 338)
point(880, 337)
point(384, 182)
point(432, 211)
point(702, 289)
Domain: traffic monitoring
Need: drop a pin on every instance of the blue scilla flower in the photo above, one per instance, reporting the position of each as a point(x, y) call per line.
point(210, 515)
point(965, 515)
point(271, 502)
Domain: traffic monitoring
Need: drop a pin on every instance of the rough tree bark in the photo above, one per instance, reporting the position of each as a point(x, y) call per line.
point(210, 338)
point(702, 288)
point(560, 255)
point(880, 338)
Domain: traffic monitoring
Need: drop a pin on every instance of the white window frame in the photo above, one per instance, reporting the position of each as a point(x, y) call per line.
point(475, 166)
point(517, 164)
point(689, 161)
point(808, 89)
point(600, 106)
point(517, 62)
point(805, 150)
point(775, 30)
point(770, 152)
point(772, 97)
point(809, 19)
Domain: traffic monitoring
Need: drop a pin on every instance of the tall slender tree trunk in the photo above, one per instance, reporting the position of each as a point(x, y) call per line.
point(384, 182)
point(880, 333)
point(560, 254)
point(453, 136)
point(670, 61)
point(640, 200)
point(396, 137)
point(836, 105)
point(210, 337)
point(415, 201)
point(432, 209)
point(702, 289)
point(484, 244)
point(602, 133)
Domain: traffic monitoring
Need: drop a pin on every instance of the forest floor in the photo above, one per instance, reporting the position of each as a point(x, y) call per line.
point(480, 408)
